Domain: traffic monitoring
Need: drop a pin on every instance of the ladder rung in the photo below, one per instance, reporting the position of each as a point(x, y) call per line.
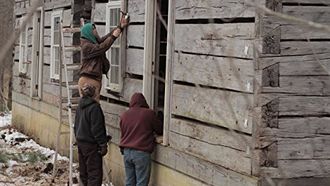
point(71, 30)
point(72, 48)
point(73, 107)
point(74, 66)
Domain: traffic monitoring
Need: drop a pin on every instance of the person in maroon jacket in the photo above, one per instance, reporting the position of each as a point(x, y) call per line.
point(138, 126)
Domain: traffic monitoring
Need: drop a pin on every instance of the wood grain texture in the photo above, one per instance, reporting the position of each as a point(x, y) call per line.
point(220, 155)
point(219, 107)
point(234, 39)
point(200, 169)
point(228, 73)
point(211, 134)
point(136, 10)
point(325, 2)
point(135, 35)
point(134, 61)
point(302, 85)
point(215, 9)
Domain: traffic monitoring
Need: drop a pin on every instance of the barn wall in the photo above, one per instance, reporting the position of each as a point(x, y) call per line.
point(293, 74)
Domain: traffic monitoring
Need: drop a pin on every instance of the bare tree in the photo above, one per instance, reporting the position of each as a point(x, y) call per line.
point(6, 30)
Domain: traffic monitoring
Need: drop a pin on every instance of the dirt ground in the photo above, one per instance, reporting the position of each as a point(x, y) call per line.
point(24, 162)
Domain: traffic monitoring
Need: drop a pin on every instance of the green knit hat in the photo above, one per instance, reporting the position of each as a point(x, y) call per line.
point(86, 32)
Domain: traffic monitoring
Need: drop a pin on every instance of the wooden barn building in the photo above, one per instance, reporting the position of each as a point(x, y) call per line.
point(245, 95)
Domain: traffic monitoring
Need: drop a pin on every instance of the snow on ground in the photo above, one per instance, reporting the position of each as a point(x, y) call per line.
point(24, 162)
point(5, 119)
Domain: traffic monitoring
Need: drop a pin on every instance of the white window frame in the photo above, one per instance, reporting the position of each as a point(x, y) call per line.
point(150, 57)
point(116, 87)
point(37, 54)
point(53, 74)
point(23, 49)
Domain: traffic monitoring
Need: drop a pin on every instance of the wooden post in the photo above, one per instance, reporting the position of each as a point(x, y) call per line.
point(169, 70)
point(149, 48)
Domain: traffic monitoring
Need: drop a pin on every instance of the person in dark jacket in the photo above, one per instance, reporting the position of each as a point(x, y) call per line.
point(138, 127)
point(91, 137)
point(94, 60)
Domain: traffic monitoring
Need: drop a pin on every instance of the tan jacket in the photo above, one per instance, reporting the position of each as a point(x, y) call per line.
point(94, 60)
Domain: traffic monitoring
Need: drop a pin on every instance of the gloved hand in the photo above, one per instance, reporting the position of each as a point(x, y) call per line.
point(103, 149)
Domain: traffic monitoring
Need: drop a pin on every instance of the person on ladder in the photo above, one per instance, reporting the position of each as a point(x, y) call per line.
point(94, 60)
point(91, 137)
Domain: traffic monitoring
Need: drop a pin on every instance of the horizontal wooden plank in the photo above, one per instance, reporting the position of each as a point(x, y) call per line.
point(299, 128)
point(290, 48)
point(318, 14)
point(222, 72)
point(112, 108)
point(301, 32)
point(136, 10)
point(297, 181)
point(301, 85)
point(287, 63)
point(57, 4)
point(135, 35)
point(36, 105)
point(130, 86)
point(220, 155)
point(325, 2)
point(211, 135)
point(100, 12)
point(232, 40)
point(112, 113)
point(292, 30)
point(315, 148)
point(200, 9)
point(299, 168)
point(219, 107)
point(200, 169)
point(134, 61)
point(304, 106)
point(100, 30)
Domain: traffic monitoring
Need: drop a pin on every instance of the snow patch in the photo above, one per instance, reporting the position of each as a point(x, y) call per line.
point(5, 119)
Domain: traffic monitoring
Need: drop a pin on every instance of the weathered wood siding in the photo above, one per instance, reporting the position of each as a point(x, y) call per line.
point(211, 128)
point(22, 83)
point(213, 84)
point(293, 74)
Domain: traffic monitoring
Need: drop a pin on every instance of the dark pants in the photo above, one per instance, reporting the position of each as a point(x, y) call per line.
point(90, 164)
point(137, 167)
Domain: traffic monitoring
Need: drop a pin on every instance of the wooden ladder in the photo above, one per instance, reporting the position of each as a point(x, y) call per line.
point(67, 102)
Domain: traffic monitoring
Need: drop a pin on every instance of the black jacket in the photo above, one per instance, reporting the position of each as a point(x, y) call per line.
point(89, 122)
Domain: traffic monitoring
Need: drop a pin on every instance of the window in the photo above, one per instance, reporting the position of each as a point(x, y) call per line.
point(114, 82)
point(158, 60)
point(23, 50)
point(55, 45)
point(37, 57)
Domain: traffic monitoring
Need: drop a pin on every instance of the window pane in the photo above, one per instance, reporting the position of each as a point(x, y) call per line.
point(23, 36)
point(56, 23)
point(57, 53)
point(114, 56)
point(56, 37)
point(114, 74)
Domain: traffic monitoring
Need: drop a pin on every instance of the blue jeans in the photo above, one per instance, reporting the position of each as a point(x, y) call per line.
point(137, 167)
